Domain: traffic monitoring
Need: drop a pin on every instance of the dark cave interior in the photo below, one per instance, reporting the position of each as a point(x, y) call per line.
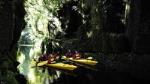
point(122, 49)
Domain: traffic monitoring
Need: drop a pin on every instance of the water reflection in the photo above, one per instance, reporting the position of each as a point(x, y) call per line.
point(34, 75)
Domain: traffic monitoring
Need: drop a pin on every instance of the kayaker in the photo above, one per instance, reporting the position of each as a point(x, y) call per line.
point(51, 59)
point(43, 57)
point(69, 54)
point(76, 55)
point(56, 56)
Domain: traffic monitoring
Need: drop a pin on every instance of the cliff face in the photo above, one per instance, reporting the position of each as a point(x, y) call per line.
point(102, 27)
point(11, 23)
point(120, 30)
point(138, 34)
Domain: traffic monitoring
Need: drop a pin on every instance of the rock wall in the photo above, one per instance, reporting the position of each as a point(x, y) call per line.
point(11, 23)
point(122, 38)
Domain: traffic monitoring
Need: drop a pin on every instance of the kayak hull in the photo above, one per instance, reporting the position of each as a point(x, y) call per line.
point(42, 63)
point(62, 66)
point(85, 61)
point(57, 65)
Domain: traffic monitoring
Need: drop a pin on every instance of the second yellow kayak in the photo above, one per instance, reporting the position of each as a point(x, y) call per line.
point(85, 61)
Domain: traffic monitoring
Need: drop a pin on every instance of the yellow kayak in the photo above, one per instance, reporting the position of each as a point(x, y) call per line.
point(62, 66)
point(85, 61)
point(42, 63)
point(82, 61)
point(57, 65)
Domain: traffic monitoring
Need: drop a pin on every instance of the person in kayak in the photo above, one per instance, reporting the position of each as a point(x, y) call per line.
point(69, 54)
point(44, 57)
point(56, 56)
point(76, 55)
point(51, 59)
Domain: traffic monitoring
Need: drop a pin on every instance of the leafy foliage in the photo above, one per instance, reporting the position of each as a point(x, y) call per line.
point(42, 26)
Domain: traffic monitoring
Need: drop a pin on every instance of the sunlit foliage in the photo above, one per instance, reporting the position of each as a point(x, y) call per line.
point(42, 25)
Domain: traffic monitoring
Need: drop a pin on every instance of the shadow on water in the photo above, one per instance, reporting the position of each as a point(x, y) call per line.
point(92, 77)
point(104, 75)
point(21, 79)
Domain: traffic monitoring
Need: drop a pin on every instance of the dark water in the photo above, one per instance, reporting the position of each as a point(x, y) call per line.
point(102, 75)
point(92, 77)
